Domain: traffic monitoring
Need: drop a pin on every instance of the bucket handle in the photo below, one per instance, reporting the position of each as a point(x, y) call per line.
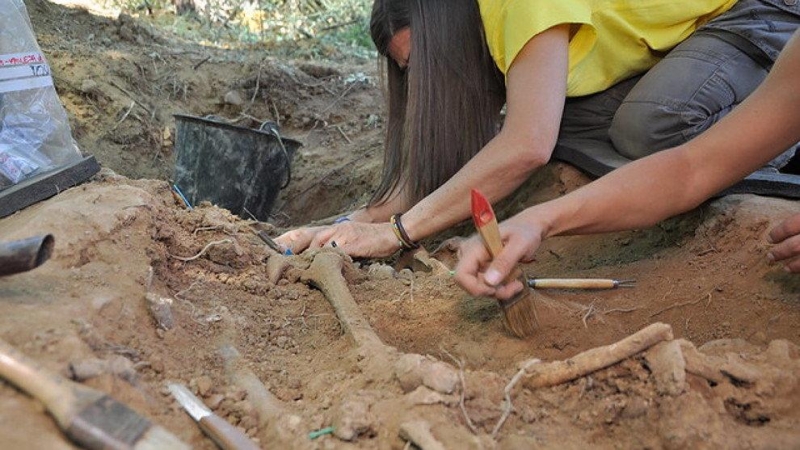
point(272, 128)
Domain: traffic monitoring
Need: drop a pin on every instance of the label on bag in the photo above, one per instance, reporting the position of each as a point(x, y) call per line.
point(22, 71)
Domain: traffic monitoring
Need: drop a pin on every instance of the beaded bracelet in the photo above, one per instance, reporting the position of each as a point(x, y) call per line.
point(401, 234)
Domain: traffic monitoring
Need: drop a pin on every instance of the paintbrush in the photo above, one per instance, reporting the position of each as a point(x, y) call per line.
point(92, 419)
point(519, 312)
point(225, 435)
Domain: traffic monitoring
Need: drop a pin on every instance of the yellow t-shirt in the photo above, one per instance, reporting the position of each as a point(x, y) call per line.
point(615, 39)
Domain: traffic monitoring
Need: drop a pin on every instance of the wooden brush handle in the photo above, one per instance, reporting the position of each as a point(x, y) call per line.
point(490, 233)
point(572, 283)
point(226, 435)
point(59, 395)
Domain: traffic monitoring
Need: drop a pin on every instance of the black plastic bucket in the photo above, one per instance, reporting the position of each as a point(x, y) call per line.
point(237, 168)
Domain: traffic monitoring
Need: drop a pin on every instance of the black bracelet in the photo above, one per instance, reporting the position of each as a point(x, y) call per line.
point(405, 240)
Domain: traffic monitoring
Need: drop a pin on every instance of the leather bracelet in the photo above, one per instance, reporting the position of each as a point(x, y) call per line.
point(397, 234)
point(400, 232)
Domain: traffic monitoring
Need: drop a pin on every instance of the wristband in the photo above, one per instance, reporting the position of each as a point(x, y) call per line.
point(400, 232)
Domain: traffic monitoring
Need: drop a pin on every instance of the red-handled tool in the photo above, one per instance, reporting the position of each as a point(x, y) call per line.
point(520, 311)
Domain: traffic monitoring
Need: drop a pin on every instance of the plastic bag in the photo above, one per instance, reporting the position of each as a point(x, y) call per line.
point(35, 136)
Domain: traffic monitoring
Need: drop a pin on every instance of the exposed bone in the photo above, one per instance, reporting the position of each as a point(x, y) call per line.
point(414, 370)
point(582, 364)
point(426, 396)
point(668, 367)
point(276, 266)
point(325, 273)
point(418, 432)
point(353, 417)
point(119, 366)
point(420, 260)
point(161, 310)
point(700, 364)
point(267, 405)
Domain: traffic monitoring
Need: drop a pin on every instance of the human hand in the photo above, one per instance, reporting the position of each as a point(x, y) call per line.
point(299, 239)
point(359, 239)
point(786, 237)
point(479, 274)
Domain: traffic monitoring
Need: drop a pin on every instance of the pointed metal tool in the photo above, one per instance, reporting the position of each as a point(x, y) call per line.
point(225, 435)
point(579, 283)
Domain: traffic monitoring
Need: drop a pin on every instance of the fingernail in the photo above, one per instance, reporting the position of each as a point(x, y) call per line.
point(769, 239)
point(770, 257)
point(493, 277)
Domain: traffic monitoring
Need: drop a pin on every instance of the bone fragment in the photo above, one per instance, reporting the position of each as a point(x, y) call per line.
point(414, 370)
point(582, 364)
point(325, 273)
point(700, 364)
point(161, 310)
point(668, 367)
point(267, 405)
point(119, 366)
point(418, 432)
point(276, 266)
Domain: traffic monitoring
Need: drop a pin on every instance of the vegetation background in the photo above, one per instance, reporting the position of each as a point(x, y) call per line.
point(300, 28)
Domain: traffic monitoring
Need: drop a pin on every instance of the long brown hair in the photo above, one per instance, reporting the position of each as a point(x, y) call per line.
point(444, 107)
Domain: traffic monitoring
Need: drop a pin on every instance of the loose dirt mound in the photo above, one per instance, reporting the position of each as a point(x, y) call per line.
point(255, 336)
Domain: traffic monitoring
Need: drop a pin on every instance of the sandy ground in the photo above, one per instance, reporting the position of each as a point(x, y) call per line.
point(386, 352)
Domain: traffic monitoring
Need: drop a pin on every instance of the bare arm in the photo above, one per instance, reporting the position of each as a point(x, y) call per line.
point(535, 93)
point(675, 180)
point(763, 126)
point(536, 89)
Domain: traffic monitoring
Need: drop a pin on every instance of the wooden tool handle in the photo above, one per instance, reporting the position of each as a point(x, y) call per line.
point(57, 393)
point(572, 283)
point(490, 233)
point(226, 435)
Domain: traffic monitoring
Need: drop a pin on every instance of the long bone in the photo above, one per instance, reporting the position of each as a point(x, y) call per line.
point(325, 273)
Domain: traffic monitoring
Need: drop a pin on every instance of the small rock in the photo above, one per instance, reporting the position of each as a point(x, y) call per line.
point(759, 338)
point(236, 395)
point(243, 408)
point(204, 385)
point(233, 98)
point(214, 401)
point(89, 368)
point(90, 87)
point(636, 407)
point(248, 422)
point(381, 271)
point(353, 419)
point(157, 364)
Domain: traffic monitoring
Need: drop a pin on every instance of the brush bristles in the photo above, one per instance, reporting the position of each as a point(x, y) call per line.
point(520, 314)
